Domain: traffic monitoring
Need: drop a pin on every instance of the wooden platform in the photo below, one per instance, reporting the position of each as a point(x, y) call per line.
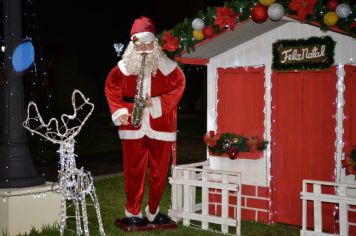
point(145, 227)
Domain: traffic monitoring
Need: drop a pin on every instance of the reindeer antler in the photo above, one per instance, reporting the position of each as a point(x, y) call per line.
point(71, 124)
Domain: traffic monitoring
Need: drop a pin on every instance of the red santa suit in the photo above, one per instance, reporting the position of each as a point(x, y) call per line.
point(151, 143)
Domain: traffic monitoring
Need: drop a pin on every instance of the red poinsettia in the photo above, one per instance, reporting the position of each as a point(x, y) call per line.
point(225, 16)
point(303, 7)
point(255, 143)
point(349, 163)
point(210, 138)
point(252, 143)
point(350, 169)
point(170, 43)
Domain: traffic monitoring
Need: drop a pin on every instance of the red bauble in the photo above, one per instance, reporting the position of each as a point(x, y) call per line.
point(259, 13)
point(332, 4)
point(232, 153)
point(208, 31)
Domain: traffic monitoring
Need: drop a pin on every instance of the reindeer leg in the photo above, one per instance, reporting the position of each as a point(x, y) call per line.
point(95, 200)
point(63, 216)
point(85, 215)
point(77, 218)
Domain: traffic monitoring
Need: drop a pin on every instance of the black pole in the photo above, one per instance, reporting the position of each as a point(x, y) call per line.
point(16, 167)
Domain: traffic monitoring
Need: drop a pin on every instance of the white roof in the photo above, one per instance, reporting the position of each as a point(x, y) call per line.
point(243, 32)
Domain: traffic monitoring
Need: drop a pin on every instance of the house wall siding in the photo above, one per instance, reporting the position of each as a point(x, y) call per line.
point(256, 52)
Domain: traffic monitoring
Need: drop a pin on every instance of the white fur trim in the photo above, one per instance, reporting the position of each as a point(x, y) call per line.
point(128, 214)
point(115, 116)
point(146, 129)
point(153, 134)
point(166, 65)
point(144, 36)
point(156, 108)
point(151, 217)
point(123, 68)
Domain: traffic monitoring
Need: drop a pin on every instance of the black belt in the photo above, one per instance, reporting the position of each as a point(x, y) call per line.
point(131, 99)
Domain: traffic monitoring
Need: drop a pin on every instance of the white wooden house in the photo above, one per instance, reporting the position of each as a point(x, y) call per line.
point(308, 116)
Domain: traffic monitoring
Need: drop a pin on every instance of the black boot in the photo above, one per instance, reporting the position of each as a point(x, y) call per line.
point(133, 221)
point(161, 219)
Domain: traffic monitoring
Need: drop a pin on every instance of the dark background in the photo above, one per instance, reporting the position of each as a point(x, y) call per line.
point(77, 37)
point(74, 50)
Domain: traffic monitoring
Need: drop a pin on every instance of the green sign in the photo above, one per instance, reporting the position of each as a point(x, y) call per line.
point(303, 54)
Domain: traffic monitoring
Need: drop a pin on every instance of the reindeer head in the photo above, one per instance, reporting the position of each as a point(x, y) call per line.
point(70, 124)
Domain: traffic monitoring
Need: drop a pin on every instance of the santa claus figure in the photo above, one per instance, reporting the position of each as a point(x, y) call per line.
point(143, 91)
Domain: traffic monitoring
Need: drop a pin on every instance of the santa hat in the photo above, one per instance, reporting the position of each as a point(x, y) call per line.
point(143, 30)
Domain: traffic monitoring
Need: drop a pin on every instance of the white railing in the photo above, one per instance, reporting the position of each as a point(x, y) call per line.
point(342, 197)
point(190, 196)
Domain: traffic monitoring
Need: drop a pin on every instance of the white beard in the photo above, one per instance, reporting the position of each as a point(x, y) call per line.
point(133, 59)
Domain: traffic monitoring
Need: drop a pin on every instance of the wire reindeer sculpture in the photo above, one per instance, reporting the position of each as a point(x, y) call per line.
point(74, 184)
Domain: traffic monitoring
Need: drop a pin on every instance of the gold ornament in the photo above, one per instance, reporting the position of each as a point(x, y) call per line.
point(330, 18)
point(198, 35)
point(267, 2)
point(235, 140)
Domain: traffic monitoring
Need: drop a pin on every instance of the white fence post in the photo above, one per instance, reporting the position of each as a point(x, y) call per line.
point(198, 175)
point(304, 208)
point(343, 217)
point(224, 204)
point(317, 209)
point(205, 201)
point(340, 198)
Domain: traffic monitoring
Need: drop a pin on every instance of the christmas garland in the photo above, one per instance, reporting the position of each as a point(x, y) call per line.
point(349, 163)
point(353, 157)
point(336, 14)
point(304, 65)
point(233, 144)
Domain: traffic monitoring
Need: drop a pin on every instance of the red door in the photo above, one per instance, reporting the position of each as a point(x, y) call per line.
point(303, 138)
point(350, 109)
point(350, 124)
point(240, 100)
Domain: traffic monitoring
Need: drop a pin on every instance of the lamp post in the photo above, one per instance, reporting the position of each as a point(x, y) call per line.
point(16, 167)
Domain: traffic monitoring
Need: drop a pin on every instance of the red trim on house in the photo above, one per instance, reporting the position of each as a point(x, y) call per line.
point(243, 201)
point(352, 216)
point(248, 214)
point(262, 192)
point(242, 155)
point(215, 198)
point(249, 190)
point(352, 230)
point(257, 203)
point(253, 206)
point(262, 217)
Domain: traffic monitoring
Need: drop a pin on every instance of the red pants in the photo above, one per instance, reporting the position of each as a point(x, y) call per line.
point(138, 155)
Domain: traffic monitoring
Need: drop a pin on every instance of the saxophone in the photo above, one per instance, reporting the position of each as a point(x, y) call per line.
point(139, 101)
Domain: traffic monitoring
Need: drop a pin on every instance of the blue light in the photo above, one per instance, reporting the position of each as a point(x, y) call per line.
point(23, 56)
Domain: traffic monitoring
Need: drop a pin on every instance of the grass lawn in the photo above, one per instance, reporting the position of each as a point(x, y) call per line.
point(111, 195)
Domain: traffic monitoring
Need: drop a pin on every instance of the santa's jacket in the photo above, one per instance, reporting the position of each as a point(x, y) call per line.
point(165, 87)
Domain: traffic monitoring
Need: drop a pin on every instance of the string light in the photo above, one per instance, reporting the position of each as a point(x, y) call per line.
point(267, 136)
point(74, 183)
point(34, 194)
point(339, 129)
point(340, 86)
